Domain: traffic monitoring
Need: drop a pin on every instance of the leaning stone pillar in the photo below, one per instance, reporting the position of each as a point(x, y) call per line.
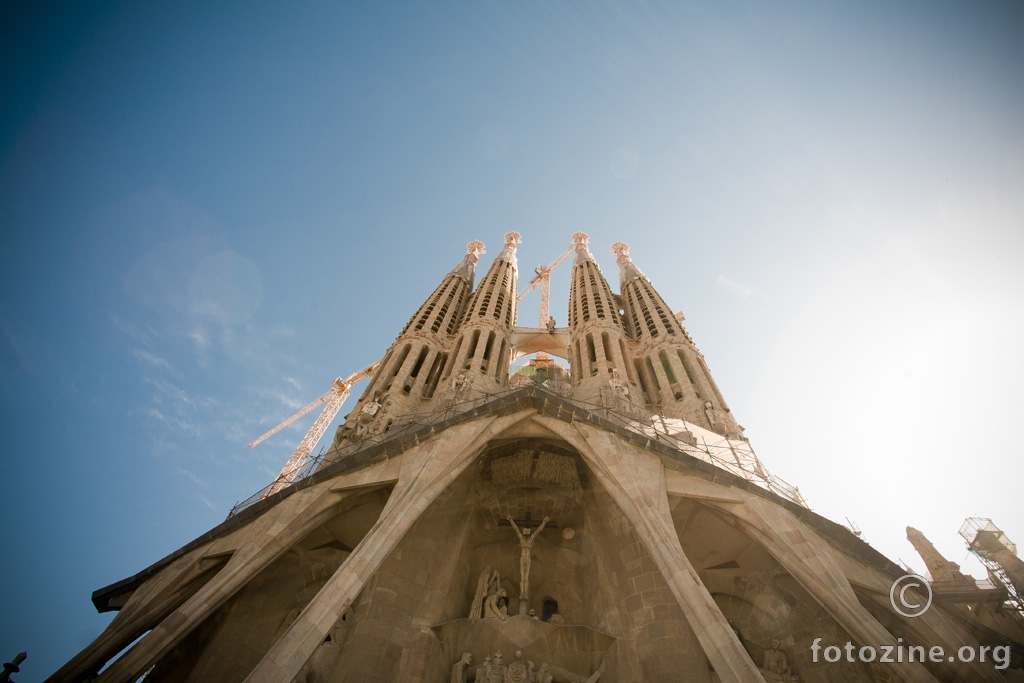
point(809, 559)
point(425, 473)
point(148, 605)
point(637, 483)
point(273, 535)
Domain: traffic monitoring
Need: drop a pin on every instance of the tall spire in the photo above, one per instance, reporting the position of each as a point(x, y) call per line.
point(600, 360)
point(466, 269)
point(480, 356)
point(674, 376)
point(627, 269)
point(579, 241)
point(412, 366)
point(941, 569)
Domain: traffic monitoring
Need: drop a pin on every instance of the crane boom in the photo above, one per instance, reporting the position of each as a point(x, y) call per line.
point(543, 278)
point(334, 399)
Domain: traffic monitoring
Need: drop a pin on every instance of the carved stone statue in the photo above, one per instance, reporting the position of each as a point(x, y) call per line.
point(711, 414)
point(617, 384)
point(497, 670)
point(775, 659)
point(542, 674)
point(551, 325)
point(526, 545)
point(459, 668)
point(516, 672)
point(461, 385)
point(369, 410)
point(496, 605)
point(342, 434)
point(482, 586)
point(482, 670)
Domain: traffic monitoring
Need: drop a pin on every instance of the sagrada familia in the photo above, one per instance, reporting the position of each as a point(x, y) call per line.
point(602, 518)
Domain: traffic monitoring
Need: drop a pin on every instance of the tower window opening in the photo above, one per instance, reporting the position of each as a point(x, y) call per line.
point(598, 306)
point(456, 312)
point(641, 376)
point(577, 367)
point(487, 353)
point(637, 331)
point(407, 387)
point(444, 309)
point(455, 355)
point(656, 385)
point(471, 351)
point(606, 342)
point(399, 362)
point(711, 383)
point(689, 373)
point(502, 362)
point(625, 361)
point(592, 354)
point(434, 375)
point(501, 295)
point(667, 367)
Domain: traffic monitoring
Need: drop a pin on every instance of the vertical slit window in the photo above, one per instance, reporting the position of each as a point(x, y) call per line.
point(653, 375)
point(434, 375)
point(471, 350)
point(501, 363)
point(625, 361)
point(399, 362)
point(607, 344)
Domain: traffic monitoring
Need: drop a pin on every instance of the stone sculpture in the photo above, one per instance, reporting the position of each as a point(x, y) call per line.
point(526, 545)
point(516, 672)
point(551, 325)
point(617, 384)
point(482, 670)
point(459, 668)
point(775, 659)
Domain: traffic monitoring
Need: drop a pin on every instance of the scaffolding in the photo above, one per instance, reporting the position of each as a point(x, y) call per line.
point(986, 540)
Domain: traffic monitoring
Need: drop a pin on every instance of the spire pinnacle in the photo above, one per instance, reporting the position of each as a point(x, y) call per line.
point(579, 241)
point(627, 269)
point(467, 269)
point(509, 251)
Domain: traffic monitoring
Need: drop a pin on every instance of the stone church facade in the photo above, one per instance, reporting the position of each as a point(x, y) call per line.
point(605, 523)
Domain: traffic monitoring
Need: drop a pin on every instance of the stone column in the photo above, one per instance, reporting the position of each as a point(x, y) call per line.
point(809, 559)
point(425, 473)
point(273, 534)
point(148, 605)
point(637, 484)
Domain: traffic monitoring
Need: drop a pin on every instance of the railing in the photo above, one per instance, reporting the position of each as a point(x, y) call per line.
point(732, 455)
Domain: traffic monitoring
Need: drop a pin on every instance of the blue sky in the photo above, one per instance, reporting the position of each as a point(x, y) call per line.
point(210, 212)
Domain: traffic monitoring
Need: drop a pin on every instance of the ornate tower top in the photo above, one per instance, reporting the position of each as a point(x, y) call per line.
point(627, 269)
point(579, 241)
point(508, 252)
point(466, 269)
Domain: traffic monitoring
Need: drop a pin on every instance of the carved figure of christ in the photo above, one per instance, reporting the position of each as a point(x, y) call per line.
point(526, 540)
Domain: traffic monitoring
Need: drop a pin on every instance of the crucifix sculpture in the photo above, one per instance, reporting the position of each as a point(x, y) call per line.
point(526, 540)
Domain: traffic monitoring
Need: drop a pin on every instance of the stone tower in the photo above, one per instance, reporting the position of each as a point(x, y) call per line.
point(462, 528)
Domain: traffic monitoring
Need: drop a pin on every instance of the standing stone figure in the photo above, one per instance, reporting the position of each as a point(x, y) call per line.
point(775, 659)
point(526, 545)
point(516, 669)
point(459, 669)
point(481, 671)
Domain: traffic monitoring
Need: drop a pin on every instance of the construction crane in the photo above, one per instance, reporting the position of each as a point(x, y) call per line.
point(334, 398)
point(543, 278)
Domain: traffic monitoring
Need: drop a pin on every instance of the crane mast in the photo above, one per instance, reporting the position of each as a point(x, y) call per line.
point(543, 279)
point(334, 398)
